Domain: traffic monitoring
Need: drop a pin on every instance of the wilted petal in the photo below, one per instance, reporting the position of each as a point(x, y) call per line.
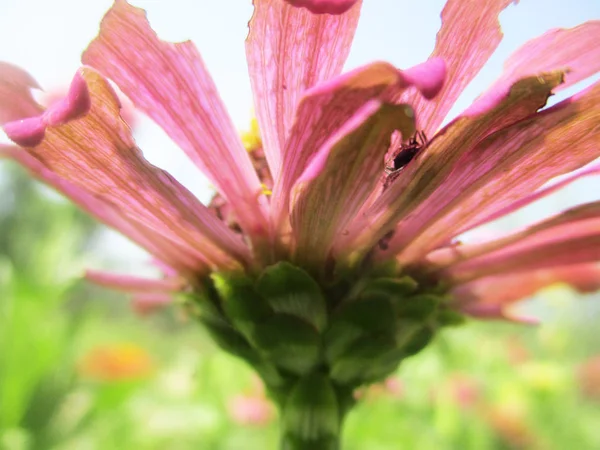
point(170, 83)
point(327, 107)
point(434, 166)
point(499, 291)
point(324, 6)
point(128, 283)
point(572, 237)
point(98, 154)
point(469, 34)
point(341, 176)
point(16, 101)
point(290, 50)
point(504, 168)
point(574, 51)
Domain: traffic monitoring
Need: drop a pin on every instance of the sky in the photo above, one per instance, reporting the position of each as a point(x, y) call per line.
point(47, 37)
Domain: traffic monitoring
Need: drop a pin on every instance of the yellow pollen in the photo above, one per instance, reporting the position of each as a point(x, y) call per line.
point(265, 189)
point(251, 138)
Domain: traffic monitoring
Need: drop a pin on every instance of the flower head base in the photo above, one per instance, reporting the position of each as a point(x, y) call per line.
point(353, 331)
point(311, 263)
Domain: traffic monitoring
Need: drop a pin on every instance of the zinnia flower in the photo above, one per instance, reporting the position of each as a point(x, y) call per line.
point(330, 254)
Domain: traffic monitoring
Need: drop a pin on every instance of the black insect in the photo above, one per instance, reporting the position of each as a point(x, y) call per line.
point(406, 153)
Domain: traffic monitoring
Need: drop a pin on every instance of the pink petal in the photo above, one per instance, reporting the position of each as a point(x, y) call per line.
point(528, 199)
point(497, 312)
point(129, 283)
point(148, 303)
point(181, 257)
point(97, 154)
point(431, 172)
point(290, 50)
point(573, 50)
point(506, 167)
point(499, 291)
point(16, 101)
point(170, 83)
point(30, 132)
point(341, 176)
point(469, 34)
point(324, 6)
point(571, 237)
point(327, 107)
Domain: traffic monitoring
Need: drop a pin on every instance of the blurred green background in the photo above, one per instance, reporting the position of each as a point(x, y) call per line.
point(80, 370)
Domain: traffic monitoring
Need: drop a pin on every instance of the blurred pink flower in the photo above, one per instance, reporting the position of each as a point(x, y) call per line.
point(251, 410)
point(466, 390)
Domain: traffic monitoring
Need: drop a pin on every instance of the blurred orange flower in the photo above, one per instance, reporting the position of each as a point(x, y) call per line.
point(117, 362)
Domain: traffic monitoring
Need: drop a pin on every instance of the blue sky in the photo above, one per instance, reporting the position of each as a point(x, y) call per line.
point(47, 37)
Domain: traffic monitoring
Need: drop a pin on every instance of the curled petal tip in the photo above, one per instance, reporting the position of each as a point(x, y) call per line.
point(324, 6)
point(429, 77)
point(76, 104)
point(31, 131)
point(26, 132)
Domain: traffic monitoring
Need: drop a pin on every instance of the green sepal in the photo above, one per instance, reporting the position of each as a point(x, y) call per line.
point(339, 337)
point(449, 318)
point(383, 366)
point(418, 307)
point(311, 413)
point(290, 290)
point(418, 341)
point(396, 288)
point(289, 342)
point(231, 341)
point(352, 366)
point(373, 314)
point(405, 330)
point(201, 306)
point(241, 303)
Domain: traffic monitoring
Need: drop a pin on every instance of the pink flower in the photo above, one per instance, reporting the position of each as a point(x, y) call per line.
point(349, 263)
point(251, 410)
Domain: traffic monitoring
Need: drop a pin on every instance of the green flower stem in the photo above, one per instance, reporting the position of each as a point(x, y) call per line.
point(312, 415)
